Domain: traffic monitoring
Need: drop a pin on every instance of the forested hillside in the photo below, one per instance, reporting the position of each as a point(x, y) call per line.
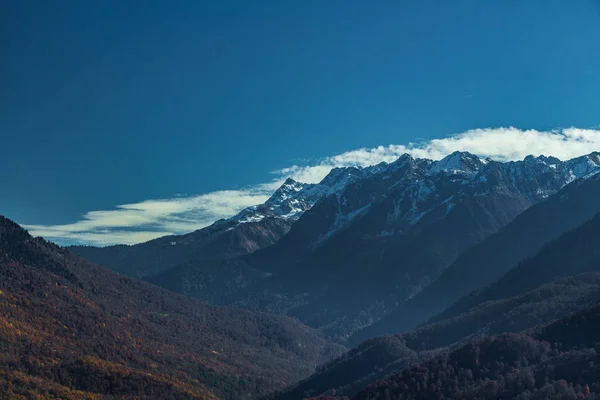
point(560, 361)
point(72, 330)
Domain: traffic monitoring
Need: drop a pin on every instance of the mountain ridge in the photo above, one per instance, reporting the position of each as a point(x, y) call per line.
point(406, 221)
point(482, 203)
point(521, 238)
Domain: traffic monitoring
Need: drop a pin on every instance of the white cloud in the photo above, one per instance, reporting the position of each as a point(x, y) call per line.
point(138, 222)
point(502, 144)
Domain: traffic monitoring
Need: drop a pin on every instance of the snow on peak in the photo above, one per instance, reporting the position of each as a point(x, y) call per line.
point(339, 178)
point(293, 198)
point(536, 177)
point(457, 163)
point(584, 166)
point(402, 160)
point(287, 190)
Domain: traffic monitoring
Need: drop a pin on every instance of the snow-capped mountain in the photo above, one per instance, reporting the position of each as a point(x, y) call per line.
point(419, 188)
point(393, 231)
point(251, 229)
point(483, 264)
point(410, 191)
point(288, 202)
point(293, 198)
point(380, 234)
point(459, 163)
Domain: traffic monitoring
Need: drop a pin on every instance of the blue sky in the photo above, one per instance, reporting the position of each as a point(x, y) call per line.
point(112, 103)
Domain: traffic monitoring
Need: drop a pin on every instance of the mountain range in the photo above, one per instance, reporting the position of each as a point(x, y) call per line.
point(343, 254)
point(562, 278)
point(459, 278)
point(489, 260)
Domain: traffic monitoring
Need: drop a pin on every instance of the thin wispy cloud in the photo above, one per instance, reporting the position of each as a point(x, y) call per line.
point(139, 222)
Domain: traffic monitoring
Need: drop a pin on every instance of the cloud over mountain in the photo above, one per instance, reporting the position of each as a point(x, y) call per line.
point(138, 222)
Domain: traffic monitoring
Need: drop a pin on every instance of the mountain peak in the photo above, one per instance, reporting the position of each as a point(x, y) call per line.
point(6, 223)
point(402, 160)
point(286, 190)
point(459, 162)
point(594, 157)
point(461, 153)
point(584, 166)
point(541, 159)
point(549, 160)
point(404, 157)
point(290, 181)
point(13, 234)
point(339, 177)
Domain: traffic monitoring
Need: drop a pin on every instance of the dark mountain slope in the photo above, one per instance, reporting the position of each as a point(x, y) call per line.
point(574, 252)
point(489, 260)
point(74, 330)
point(381, 357)
point(211, 280)
point(559, 361)
point(223, 239)
point(568, 270)
point(354, 370)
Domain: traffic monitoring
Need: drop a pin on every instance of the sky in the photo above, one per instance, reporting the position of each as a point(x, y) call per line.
point(125, 121)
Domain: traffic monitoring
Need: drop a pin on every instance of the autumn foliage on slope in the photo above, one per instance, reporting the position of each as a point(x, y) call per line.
point(72, 330)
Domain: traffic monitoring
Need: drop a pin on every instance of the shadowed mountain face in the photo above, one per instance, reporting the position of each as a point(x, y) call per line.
point(224, 239)
point(562, 278)
point(358, 244)
point(372, 254)
point(575, 252)
point(491, 259)
point(381, 357)
point(253, 228)
point(559, 361)
point(73, 330)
